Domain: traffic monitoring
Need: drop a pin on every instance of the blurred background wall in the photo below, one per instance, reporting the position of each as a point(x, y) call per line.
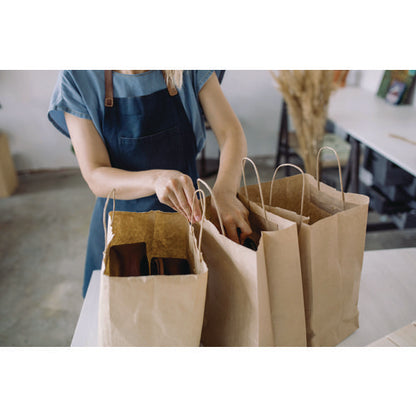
point(36, 145)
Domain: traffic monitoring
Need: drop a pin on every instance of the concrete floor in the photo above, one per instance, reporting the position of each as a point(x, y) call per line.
point(44, 229)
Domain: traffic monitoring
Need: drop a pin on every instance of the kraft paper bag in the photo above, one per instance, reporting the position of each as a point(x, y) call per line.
point(152, 310)
point(283, 269)
point(331, 248)
point(237, 310)
point(284, 280)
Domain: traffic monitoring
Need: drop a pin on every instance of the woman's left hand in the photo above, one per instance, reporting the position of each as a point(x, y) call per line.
point(234, 215)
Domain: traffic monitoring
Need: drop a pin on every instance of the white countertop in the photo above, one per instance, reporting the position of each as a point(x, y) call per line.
point(387, 299)
point(370, 119)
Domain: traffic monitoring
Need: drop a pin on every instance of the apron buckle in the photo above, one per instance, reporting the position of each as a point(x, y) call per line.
point(109, 102)
point(172, 91)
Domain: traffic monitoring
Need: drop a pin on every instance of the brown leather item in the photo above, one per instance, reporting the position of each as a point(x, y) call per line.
point(249, 243)
point(252, 241)
point(169, 266)
point(128, 260)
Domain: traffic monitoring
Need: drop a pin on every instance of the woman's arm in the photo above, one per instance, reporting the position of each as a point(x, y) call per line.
point(172, 187)
point(233, 147)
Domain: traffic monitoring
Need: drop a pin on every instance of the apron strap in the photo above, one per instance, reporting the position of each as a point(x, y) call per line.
point(108, 75)
point(109, 102)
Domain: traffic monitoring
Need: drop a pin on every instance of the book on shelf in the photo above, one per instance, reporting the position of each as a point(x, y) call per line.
point(396, 86)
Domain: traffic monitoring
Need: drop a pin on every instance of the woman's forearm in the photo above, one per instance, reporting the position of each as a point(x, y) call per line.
point(232, 142)
point(171, 187)
point(128, 185)
point(233, 149)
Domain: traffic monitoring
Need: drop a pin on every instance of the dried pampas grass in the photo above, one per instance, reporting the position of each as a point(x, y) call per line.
point(307, 96)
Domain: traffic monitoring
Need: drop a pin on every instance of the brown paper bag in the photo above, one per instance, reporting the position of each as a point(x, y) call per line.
point(331, 250)
point(283, 271)
point(237, 311)
point(159, 310)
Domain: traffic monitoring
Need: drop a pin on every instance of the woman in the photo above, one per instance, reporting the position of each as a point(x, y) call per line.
point(139, 132)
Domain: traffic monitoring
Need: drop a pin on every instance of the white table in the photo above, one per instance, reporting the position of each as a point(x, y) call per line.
point(86, 331)
point(370, 119)
point(387, 299)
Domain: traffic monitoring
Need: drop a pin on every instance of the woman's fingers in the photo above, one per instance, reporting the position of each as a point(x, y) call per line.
point(234, 217)
point(173, 203)
point(184, 192)
point(244, 224)
point(245, 230)
point(180, 194)
point(189, 192)
point(231, 225)
point(230, 229)
point(182, 202)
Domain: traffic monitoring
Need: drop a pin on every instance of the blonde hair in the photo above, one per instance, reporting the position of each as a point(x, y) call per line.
point(174, 77)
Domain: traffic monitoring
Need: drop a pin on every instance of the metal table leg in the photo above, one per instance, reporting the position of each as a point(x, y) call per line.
point(355, 167)
point(352, 170)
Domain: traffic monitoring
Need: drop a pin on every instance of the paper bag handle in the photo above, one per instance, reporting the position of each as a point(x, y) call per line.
point(199, 182)
point(113, 193)
point(303, 185)
point(339, 171)
point(204, 206)
point(243, 165)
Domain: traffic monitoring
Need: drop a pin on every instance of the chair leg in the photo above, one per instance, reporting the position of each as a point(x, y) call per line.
point(282, 136)
point(355, 149)
point(203, 165)
point(347, 173)
point(352, 170)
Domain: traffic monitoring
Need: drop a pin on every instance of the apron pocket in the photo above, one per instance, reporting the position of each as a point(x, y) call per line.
point(163, 150)
point(129, 141)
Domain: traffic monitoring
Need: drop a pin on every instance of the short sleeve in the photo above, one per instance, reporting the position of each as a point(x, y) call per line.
point(199, 78)
point(66, 98)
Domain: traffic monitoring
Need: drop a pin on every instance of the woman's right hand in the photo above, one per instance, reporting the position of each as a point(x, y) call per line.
point(175, 189)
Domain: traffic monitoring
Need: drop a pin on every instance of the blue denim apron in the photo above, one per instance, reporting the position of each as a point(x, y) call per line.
point(141, 133)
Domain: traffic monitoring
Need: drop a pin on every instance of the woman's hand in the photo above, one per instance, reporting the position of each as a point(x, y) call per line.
point(175, 189)
point(232, 142)
point(234, 215)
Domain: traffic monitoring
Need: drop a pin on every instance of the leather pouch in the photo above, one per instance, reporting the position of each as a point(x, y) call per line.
point(249, 243)
point(128, 260)
point(169, 266)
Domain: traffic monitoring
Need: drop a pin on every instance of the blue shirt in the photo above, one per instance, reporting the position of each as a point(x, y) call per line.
point(82, 94)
